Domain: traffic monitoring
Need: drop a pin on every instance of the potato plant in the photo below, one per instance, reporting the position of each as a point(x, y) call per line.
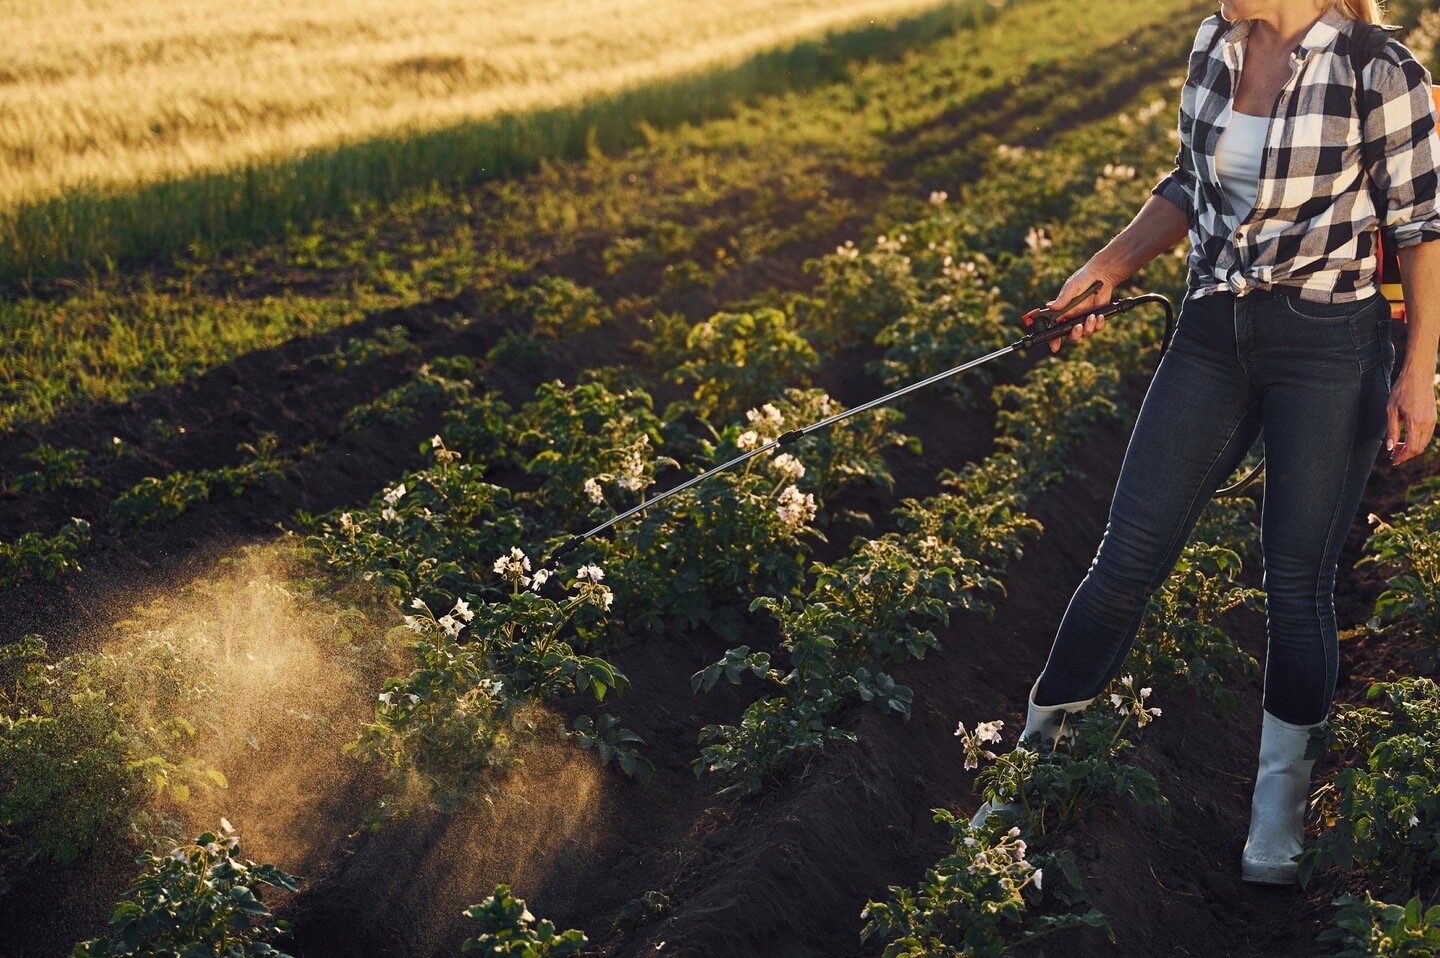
point(55, 470)
point(869, 610)
point(436, 385)
point(889, 598)
point(1179, 638)
point(1382, 814)
point(1053, 788)
point(1367, 928)
point(847, 453)
point(773, 730)
point(202, 898)
point(978, 900)
point(700, 557)
point(387, 342)
point(610, 740)
point(1042, 421)
point(158, 499)
point(430, 533)
point(1409, 542)
point(735, 360)
point(80, 761)
point(592, 449)
point(1231, 519)
point(464, 710)
point(859, 291)
point(976, 526)
point(480, 427)
point(956, 315)
point(508, 929)
point(652, 905)
point(558, 307)
point(38, 556)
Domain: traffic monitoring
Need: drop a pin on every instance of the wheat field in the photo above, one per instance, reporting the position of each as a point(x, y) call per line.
point(116, 92)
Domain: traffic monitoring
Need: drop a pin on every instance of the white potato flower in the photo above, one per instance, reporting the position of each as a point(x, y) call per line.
point(766, 415)
point(795, 507)
point(787, 466)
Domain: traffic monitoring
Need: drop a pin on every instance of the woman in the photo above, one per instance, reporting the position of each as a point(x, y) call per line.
point(1282, 334)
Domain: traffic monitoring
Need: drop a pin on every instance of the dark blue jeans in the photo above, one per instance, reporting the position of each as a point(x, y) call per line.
point(1314, 380)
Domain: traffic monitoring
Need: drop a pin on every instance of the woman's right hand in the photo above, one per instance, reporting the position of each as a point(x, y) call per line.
point(1074, 286)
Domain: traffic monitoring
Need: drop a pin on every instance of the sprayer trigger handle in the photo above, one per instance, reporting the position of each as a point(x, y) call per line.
point(1047, 315)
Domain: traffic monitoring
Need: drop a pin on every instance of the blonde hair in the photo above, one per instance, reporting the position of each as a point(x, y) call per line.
point(1366, 11)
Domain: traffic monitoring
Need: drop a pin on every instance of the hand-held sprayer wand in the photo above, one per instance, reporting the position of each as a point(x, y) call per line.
point(1046, 329)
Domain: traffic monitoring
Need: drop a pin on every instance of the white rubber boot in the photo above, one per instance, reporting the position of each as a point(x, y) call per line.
point(1047, 721)
point(1277, 810)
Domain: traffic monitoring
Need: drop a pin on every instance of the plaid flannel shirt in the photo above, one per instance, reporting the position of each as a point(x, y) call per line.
point(1314, 224)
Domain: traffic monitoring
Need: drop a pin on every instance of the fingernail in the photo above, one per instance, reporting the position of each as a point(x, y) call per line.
point(1390, 445)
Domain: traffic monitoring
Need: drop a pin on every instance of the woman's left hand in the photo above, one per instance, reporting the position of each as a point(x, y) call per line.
point(1412, 401)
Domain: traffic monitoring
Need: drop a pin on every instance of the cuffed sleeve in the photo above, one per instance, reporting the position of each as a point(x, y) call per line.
point(1402, 146)
point(1180, 184)
point(1176, 187)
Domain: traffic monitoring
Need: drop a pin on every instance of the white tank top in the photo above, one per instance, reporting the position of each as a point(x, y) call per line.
point(1238, 155)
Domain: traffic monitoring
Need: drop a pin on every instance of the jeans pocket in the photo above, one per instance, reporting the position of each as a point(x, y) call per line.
point(1387, 348)
point(1332, 313)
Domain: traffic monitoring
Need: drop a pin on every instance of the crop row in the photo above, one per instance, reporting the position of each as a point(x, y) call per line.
point(1379, 816)
point(205, 898)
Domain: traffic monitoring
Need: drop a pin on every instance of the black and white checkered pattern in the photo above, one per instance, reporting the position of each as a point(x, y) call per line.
point(1314, 224)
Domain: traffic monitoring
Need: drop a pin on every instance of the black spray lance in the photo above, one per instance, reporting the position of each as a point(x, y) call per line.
point(1047, 327)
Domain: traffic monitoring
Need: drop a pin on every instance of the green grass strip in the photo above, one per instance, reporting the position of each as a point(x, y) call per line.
point(64, 234)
